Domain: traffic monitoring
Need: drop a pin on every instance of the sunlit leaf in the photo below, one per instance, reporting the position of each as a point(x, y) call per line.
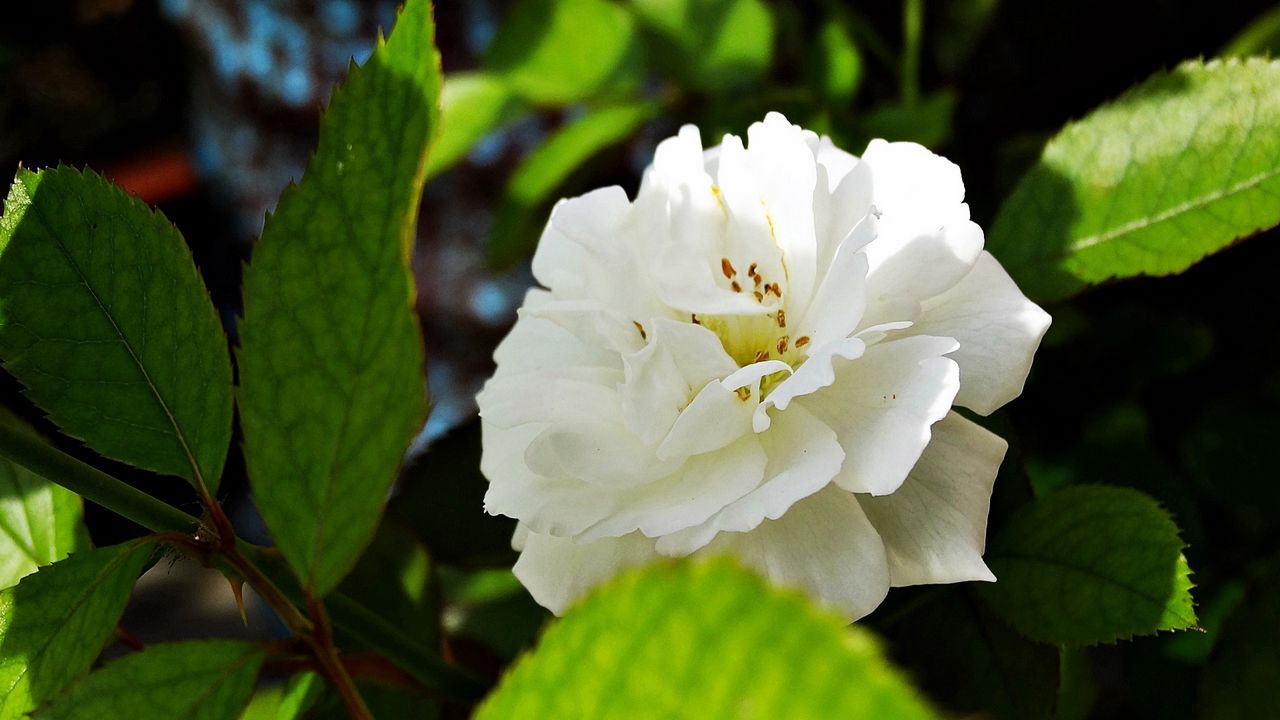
point(704, 640)
point(562, 51)
point(331, 365)
point(105, 320)
point(1175, 169)
point(472, 104)
point(56, 621)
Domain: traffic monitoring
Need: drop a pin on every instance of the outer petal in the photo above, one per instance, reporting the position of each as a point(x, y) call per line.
point(998, 328)
point(934, 527)
point(537, 343)
point(908, 266)
point(557, 571)
point(881, 406)
point(907, 179)
point(825, 545)
point(705, 484)
point(803, 457)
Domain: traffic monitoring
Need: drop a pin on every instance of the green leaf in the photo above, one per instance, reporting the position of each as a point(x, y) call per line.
point(702, 640)
point(473, 104)
point(532, 185)
point(1239, 681)
point(56, 621)
point(394, 579)
point(1260, 37)
point(563, 51)
point(1175, 169)
point(967, 659)
point(195, 680)
point(104, 319)
point(836, 66)
point(713, 45)
point(290, 701)
point(927, 121)
point(40, 522)
point(1090, 564)
point(331, 378)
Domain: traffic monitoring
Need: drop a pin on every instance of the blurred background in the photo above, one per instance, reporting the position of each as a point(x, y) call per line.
point(208, 108)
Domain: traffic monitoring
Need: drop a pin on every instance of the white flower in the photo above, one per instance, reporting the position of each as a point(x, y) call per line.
point(758, 356)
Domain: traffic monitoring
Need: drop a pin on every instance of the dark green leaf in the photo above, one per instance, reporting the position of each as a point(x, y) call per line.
point(104, 319)
point(331, 358)
point(1077, 689)
point(969, 660)
point(702, 640)
point(543, 171)
point(1175, 169)
point(927, 122)
point(713, 45)
point(1090, 564)
point(473, 104)
point(563, 51)
point(1230, 453)
point(1240, 680)
point(394, 579)
point(56, 621)
point(196, 680)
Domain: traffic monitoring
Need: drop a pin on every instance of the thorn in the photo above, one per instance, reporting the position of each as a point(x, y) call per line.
point(237, 589)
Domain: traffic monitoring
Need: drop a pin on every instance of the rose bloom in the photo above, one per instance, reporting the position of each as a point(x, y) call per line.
point(758, 356)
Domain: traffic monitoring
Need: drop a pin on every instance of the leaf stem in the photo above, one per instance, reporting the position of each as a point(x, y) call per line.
point(28, 450)
point(912, 30)
point(321, 641)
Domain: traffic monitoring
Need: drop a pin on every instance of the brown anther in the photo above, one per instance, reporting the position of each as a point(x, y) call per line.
point(802, 341)
point(782, 344)
point(751, 271)
point(782, 318)
point(762, 355)
point(726, 267)
point(757, 279)
point(736, 287)
point(643, 335)
point(693, 318)
point(774, 288)
point(759, 296)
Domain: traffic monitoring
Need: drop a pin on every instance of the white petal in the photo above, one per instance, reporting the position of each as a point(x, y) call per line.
point(563, 261)
point(570, 394)
point(841, 299)
point(716, 417)
point(814, 373)
point(907, 266)
point(536, 343)
point(935, 525)
point(705, 484)
point(803, 457)
point(998, 328)
point(557, 571)
point(881, 406)
point(824, 545)
point(836, 162)
point(850, 202)
point(909, 180)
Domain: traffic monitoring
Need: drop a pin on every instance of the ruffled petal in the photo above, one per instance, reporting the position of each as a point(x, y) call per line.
point(824, 545)
point(934, 527)
point(558, 571)
point(998, 329)
point(804, 455)
point(882, 405)
point(908, 266)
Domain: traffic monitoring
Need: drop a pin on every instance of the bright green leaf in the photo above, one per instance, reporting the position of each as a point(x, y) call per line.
point(331, 365)
point(1175, 169)
point(54, 623)
point(195, 680)
point(472, 105)
point(1090, 564)
point(290, 701)
point(563, 51)
point(705, 640)
point(714, 45)
point(837, 65)
point(40, 523)
point(104, 319)
point(543, 171)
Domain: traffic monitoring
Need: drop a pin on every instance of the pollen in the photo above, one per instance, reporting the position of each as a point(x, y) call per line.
point(782, 344)
point(643, 334)
point(762, 355)
point(736, 287)
point(782, 318)
point(726, 267)
point(802, 341)
point(759, 296)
